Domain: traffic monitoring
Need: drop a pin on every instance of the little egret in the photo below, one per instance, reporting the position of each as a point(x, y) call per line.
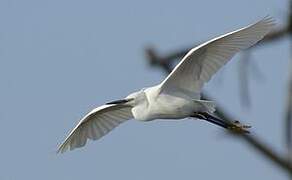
point(178, 96)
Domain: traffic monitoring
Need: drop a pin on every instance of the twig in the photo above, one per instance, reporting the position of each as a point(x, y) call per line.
point(288, 119)
point(261, 147)
point(244, 63)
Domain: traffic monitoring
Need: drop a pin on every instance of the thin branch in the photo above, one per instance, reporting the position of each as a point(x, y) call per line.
point(243, 78)
point(258, 145)
point(288, 119)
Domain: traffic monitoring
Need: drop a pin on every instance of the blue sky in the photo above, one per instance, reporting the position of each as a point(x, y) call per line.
point(59, 59)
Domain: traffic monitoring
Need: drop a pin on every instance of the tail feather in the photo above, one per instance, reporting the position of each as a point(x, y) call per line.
point(209, 105)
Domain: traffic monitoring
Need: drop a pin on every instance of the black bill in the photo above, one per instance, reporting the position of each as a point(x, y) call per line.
point(122, 101)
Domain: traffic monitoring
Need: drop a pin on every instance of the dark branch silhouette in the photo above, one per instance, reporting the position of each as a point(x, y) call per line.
point(165, 63)
point(288, 120)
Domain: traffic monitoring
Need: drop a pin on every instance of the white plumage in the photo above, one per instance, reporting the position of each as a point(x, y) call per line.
point(96, 124)
point(178, 96)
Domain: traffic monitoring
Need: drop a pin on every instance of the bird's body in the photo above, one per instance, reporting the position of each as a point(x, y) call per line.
point(150, 103)
point(178, 96)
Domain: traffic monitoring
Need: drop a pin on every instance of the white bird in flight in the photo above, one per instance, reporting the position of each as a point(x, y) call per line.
point(178, 96)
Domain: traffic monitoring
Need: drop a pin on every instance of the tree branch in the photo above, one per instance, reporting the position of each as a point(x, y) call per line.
point(288, 119)
point(165, 63)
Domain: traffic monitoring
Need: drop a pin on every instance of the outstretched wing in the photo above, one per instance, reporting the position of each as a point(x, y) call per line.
point(203, 61)
point(96, 124)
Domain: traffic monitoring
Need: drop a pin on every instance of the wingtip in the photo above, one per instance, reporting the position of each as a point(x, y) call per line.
point(269, 20)
point(61, 149)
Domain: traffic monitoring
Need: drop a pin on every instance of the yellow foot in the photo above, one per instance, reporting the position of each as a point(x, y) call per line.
point(237, 127)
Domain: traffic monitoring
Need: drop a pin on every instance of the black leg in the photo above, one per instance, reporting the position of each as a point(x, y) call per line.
point(235, 126)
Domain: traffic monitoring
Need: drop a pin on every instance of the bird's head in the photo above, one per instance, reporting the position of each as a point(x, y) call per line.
point(136, 98)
